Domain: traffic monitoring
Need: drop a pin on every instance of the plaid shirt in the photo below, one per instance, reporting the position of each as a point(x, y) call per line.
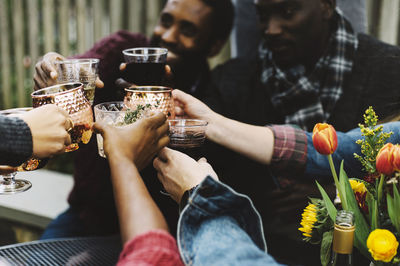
point(289, 157)
point(307, 100)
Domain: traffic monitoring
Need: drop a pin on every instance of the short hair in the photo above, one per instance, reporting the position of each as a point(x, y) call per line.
point(222, 17)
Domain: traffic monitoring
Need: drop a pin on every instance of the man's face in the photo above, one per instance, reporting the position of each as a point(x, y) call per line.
point(184, 29)
point(293, 29)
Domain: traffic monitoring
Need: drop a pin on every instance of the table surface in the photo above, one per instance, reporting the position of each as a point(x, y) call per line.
point(65, 251)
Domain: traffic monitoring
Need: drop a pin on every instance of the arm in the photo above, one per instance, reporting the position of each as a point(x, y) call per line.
point(30, 135)
point(255, 142)
point(127, 149)
point(218, 226)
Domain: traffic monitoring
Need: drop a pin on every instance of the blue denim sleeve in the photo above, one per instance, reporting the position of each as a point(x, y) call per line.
point(318, 166)
point(221, 227)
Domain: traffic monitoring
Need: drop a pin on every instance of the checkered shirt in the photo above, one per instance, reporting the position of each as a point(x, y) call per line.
point(307, 100)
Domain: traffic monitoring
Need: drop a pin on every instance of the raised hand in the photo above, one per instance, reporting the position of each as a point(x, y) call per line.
point(178, 172)
point(49, 135)
point(138, 142)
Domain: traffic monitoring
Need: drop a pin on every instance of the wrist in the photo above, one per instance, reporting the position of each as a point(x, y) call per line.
point(214, 127)
point(185, 197)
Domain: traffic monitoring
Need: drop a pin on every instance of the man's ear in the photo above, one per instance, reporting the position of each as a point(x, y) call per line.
point(216, 48)
point(328, 8)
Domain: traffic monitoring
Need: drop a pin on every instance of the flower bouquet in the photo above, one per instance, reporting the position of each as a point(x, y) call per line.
point(374, 198)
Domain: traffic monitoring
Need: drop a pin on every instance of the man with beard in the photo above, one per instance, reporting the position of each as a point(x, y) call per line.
point(191, 30)
point(312, 68)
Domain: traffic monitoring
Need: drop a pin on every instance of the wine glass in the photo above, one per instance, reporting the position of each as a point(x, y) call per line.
point(71, 98)
point(10, 185)
point(85, 71)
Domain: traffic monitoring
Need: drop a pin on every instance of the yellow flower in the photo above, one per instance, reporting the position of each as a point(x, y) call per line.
point(309, 217)
point(357, 186)
point(382, 245)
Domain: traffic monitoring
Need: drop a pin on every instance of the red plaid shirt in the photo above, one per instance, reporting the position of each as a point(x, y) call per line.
point(290, 152)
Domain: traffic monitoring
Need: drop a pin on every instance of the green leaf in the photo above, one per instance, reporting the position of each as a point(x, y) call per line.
point(328, 203)
point(393, 205)
point(362, 227)
point(325, 253)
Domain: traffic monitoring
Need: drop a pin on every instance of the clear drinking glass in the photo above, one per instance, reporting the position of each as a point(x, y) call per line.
point(145, 66)
point(150, 97)
point(188, 136)
point(71, 98)
point(111, 113)
point(10, 185)
point(85, 71)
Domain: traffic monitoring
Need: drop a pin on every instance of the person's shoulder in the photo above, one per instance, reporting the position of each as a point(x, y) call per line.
point(371, 47)
point(235, 68)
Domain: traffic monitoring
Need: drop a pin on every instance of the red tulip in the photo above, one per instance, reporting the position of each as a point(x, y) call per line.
point(324, 138)
point(385, 158)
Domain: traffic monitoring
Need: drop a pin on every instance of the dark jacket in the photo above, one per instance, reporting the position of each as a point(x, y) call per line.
point(375, 81)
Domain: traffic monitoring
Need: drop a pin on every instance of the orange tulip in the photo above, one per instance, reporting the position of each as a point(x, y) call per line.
point(384, 159)
point(396, 158)
point(324, 138)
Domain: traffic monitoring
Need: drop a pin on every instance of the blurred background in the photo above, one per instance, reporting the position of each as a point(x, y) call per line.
point(31, 28)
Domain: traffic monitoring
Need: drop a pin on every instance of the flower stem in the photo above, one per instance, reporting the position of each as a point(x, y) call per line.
point(380, 188)
point(335, 178)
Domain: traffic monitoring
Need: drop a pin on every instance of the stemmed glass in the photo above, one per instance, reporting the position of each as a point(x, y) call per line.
point(71, 98)
point(10, 185)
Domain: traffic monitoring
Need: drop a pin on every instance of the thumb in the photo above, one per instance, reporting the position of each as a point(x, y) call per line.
point(99, 127)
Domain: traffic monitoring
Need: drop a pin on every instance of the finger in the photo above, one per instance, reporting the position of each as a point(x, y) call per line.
point(202, 160)
point(163, 130)
point(163, 154)
point(68, 140)
point(99, 83)
point(62, 111)
point(122, 66)
point(163, 142)
point(99, 127)
point(168, 72)
point(69, 124)
point(158, 164)
point(49, 69)
point(179, 110)
point(157, 120)
point(122, 84)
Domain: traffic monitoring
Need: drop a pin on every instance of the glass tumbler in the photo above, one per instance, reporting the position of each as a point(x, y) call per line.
point(84, 71)
point(145, 66)
point(71, 98)
point(111, 113)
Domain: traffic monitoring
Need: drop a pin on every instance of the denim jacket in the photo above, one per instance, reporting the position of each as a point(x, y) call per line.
point(219, 226)
point(318, 165)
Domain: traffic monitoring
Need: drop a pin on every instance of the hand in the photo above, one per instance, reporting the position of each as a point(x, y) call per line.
point(178, 172)
point(189, 106)
point(45, 71)
point(48, 124)
point(138, 142)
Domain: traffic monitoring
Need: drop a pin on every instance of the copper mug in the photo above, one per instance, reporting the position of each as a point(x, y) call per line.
point(150, 97)
point(71, 98)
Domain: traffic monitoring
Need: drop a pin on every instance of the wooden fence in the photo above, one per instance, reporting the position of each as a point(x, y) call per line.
point(30, 28)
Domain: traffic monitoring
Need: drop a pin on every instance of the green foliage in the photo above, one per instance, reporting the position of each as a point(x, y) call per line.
point(393, 204)
point(325, 253)
point(362, 227)
point(133, 115)
point(374, 140)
